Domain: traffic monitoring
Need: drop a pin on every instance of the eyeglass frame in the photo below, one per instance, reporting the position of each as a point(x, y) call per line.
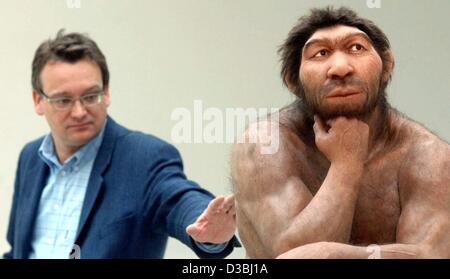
point(51, 100)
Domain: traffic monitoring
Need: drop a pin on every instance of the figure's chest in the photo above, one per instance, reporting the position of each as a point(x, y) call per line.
point(377, 209)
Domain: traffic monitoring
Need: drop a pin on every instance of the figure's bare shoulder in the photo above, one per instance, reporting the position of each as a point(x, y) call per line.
point(285, 156)
point(265, 148)
point(427, 156)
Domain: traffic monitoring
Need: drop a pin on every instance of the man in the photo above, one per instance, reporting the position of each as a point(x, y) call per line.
point(94, 189)
point(351, 171)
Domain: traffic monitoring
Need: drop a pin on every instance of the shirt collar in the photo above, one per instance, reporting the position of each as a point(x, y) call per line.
point(88, 151)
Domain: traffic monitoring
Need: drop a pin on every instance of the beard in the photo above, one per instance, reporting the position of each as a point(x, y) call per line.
point(313, 101)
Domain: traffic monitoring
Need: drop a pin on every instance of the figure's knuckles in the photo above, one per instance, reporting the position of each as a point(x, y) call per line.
point(341, 121)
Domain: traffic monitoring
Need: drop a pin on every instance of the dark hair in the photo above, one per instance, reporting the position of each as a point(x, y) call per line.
point(291, 50)
point(69, 48)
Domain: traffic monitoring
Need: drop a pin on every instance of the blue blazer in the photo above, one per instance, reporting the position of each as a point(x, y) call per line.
point(136, 197)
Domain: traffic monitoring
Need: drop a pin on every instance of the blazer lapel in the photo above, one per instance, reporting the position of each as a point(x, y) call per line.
point(96, 178)
point(36, 179)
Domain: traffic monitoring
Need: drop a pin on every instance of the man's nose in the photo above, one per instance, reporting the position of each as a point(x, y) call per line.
point(340, 66)
point(78, 110)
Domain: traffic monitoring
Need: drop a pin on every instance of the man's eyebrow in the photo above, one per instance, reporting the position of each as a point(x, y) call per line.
point(59, 94)
point(67, 94)
point(92, 88)
point(341, 38)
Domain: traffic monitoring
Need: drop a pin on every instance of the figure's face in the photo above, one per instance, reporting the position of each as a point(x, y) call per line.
point(77, 125)
point(340, 73)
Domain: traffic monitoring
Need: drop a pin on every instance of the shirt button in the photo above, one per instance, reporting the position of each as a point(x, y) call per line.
point(75, 169)
point(63, 173)
point(49, 241)
point(56, 207)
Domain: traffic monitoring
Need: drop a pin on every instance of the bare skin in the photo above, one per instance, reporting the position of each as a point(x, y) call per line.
point(337, 186)
point(296, 197)
point(217, 224)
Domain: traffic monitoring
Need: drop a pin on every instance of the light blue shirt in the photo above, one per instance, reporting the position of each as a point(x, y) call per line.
point(62, 199)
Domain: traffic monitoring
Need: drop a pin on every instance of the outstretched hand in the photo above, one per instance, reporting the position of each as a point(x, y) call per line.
point(217, 223)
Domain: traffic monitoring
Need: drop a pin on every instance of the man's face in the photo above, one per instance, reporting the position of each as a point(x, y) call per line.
point(340, 73)
point(74, 127)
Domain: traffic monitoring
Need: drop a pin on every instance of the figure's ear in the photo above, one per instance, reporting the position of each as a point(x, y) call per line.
point(38, 105)
point(388, 65)
point(289, 83)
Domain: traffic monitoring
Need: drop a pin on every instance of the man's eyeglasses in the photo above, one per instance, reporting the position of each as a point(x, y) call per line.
point(64, 103)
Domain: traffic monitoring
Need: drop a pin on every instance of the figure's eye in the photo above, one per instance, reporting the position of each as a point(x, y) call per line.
point(356, 47)
point(321, 53)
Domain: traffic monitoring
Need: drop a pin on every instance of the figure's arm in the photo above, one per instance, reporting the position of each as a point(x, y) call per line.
point(334, 250)
point(424, 227)
point(424, 183)
point(275, 210)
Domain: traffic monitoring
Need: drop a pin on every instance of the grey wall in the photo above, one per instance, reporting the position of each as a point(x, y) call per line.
point(166, 54)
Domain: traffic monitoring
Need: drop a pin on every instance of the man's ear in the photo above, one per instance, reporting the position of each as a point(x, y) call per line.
point(388, 65)
point(106, 96)
point(38, 106)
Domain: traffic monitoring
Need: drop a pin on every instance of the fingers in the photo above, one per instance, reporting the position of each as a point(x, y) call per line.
point(215, 205)
point(338, 121)
point(342, 121)
point(228, 205)
point(231, 211)
point(330, 122)
point(216, 222)
point(319, 127)
point(222, 205)
point(193, 230)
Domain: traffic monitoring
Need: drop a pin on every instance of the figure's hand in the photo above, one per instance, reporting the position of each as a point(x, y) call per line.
point(346, 141)
point(217, 223)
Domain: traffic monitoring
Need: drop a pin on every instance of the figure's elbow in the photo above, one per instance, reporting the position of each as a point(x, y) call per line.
point(282, 245)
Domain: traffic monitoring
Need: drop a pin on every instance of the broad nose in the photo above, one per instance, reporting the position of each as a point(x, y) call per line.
point(340, 66)
point(78, 110)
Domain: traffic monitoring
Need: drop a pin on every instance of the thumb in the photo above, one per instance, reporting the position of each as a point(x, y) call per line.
point(192, 230)
point(319, 127)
